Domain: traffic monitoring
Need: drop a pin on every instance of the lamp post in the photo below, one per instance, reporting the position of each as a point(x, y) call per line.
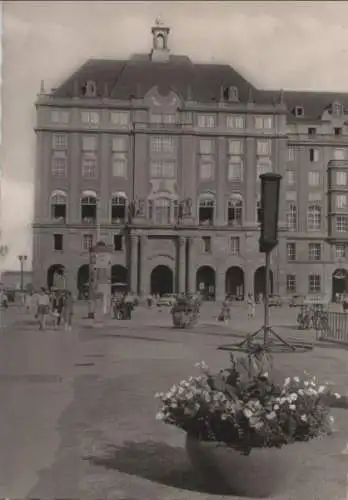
point(22, 259)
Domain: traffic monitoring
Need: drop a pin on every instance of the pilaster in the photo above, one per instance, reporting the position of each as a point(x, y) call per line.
point(134, 240)
point(144, 275)
point(181, 264)
point(191, 267)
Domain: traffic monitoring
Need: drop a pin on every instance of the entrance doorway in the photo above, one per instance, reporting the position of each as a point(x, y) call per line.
point(205, 282)
point(234, 282)
point(119, 278)
point(339, 283)
point(52, 271)
point(260, 281)
point(161, 280)
point(83, 281)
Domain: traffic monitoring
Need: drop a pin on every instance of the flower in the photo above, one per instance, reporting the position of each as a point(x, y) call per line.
point(271, 415)
point(304, 418)
point(292, 407)
point(276, 407)
point(248, 413)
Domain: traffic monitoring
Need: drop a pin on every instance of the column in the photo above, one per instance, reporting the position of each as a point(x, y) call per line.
point(181, 265)
point(144, 285)
point(220, 284)
point(134, 263)
point(191, 268)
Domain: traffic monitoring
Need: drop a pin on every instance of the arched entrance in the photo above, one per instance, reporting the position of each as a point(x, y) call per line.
point(205, 282)
point(234, 282)
point(55, 269)
point(339, 283)
point(161, 280)
point(83, 281)
point(119, 278)
point(260, 281)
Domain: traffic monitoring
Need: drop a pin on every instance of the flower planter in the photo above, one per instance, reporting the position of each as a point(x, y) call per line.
point(262, 474)
point(184, 318)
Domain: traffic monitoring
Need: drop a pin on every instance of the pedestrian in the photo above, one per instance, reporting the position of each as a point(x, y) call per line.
point(28, 302)
point(251, 306)
point(43, 308)
point(68, 310)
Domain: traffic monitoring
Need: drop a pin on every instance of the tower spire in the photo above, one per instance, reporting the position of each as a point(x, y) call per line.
point(160, 33)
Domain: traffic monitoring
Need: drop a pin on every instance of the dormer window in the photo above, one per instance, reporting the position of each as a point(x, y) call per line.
point(230, 93)
point(337, 108)
point(299, 111)
point(89, 89)
point(337, 131)
point(312, 131)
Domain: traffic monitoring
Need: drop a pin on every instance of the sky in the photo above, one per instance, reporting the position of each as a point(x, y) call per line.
point(290, 45)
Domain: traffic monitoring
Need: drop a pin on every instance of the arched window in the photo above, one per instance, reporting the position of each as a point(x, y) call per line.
point(162, 211)
point(291, 217)
point(314, 218)
point(235, 210)
point(206, 212)
point(58, 206)
point(264, 165)
point(160, 42)
point(89, 207)
point(118, 208)
point(89, 89)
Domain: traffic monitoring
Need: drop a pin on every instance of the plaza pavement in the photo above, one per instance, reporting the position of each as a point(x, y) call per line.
point(77, 416)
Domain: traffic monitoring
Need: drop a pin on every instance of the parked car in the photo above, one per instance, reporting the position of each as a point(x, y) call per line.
point(167, 300)
point(275, 301)
point(296, 301)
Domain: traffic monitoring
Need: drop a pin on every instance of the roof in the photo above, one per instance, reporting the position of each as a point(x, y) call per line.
point(123, 79)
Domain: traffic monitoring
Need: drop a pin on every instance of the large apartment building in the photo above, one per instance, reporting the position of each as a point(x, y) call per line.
point(186, 143)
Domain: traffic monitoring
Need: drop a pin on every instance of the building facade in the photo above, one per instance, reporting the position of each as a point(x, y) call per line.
point(183, 144)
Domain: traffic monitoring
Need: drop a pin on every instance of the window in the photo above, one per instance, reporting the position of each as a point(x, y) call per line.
point(314, 284)
point(119, 144)
point(263, 148)
point(314, 251)
point(206, 210)
point(264, 122)
point(290, 177)
point(235, 122)
point(235, 212)
point(314, 218)
point(164, 169)
point(291, 283)
point(87, 241)
point(341, 178)
point(235, 245)
point(314, 179)
point(120, 118)
point(90, 117)
point(339, 154)
point(206, 147)
point(118, 208)
point(59, 141)
point(299, 111)
point(89, 208)
point(89, 89)
point(338, 131)
point(263, 167)
point(119, 165)
point(313, 155)
point(57, 242)
point(89, 143)
point(59, 164)
point(291, 216)
point(291, 251)
point(312, 131)
point(337, 108)
point(291, 153)
point(162, 212)
point(58, 116)
point(235, 169)
point(230, 93)
point(206, 169)
point(235, 147)
point(206, 244)
point(342, 223)
point(58, 206)
point(89, 166)
point(162, 144)
point(340, 250)
point(206, 121)
point(118, 242)
point(341, 201)
point(163, 118)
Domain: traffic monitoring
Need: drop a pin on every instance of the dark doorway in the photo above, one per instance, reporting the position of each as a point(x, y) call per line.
point(260, 281)
point(339, 283)
point(161, 280)
point(205, 282)
point(234, 282)
point(55, 269)
point(119, 278)
point(83, 281)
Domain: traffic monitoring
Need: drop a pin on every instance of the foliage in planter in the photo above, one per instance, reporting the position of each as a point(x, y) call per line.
point(244, 409)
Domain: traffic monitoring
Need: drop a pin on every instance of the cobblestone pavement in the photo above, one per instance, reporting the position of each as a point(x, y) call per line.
point(77, 413)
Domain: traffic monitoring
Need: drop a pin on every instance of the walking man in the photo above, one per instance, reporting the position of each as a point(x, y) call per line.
point(43, 308)
point(251, 306)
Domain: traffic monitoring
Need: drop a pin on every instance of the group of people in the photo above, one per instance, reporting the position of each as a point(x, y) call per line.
point(225, 313)
point(56, 305)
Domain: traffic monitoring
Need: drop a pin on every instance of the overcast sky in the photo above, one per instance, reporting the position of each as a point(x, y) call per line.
point(297, 45)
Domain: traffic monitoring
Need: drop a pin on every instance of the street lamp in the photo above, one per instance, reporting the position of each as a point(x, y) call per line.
point(22, 259)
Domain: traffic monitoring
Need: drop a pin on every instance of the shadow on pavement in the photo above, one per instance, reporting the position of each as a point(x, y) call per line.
point(154, 461)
